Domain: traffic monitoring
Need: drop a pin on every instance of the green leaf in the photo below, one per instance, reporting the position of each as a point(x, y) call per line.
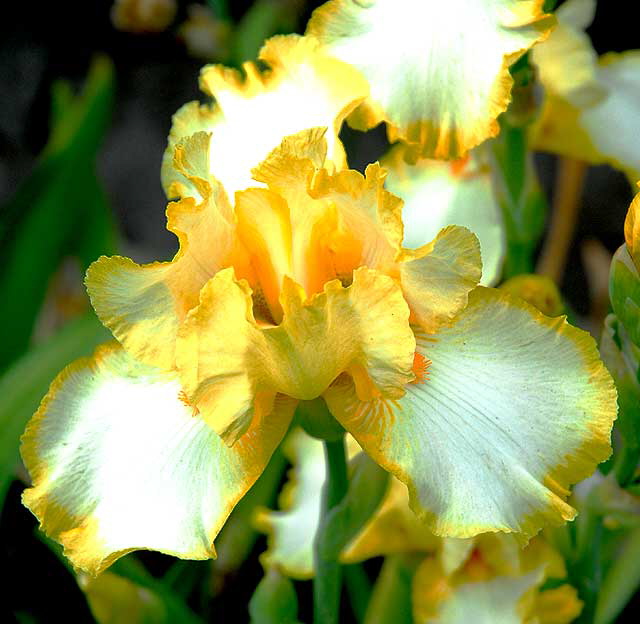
point(59, 210)
point(24, 384)
point(621, 581)
point(274, 600)
point(618, 354)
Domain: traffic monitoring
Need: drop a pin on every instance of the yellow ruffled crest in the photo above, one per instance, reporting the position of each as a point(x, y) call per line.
point(447, 78)
point(232, 368)
point(302, 87)
point(314, 225)
point(437, 278)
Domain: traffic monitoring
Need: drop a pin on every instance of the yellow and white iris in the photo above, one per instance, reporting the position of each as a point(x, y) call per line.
point(484, 407)
point(292, 283)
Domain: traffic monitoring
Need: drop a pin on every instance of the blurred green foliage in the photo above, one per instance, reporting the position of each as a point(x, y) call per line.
point(59, 210)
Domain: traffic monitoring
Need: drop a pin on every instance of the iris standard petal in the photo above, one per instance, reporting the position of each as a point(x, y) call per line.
point(438, 72)
point(302, 88)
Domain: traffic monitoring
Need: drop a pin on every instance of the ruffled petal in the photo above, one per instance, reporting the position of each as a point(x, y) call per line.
point(232, 367)
point(438, 72)
point(119, 463)
point(514, 408)
point(338, 221)
point(187, 121)
point(438, 194)
point(437, 278)
point(303, 88)
point(604, 132)
point(143, 305)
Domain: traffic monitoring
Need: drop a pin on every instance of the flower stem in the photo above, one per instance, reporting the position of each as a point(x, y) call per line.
point(327, 583)
point(566, 206)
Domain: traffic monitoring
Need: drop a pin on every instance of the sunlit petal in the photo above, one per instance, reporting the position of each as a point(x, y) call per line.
point(303, 87)
point(120, 462)
point(514, 408)
point(438, 71)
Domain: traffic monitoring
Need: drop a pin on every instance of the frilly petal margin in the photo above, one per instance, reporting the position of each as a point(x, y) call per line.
point(438, 72)
point(516, 406)
point(120, 463)
point(231, 367)
point(302, 87)
point(437, 194)
point(437, 278)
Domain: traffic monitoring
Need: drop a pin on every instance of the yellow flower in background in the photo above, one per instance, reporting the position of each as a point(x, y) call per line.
point(485, 408)
point(143, 16)
point(489, 578)
point(592, 105)
point(438, 71)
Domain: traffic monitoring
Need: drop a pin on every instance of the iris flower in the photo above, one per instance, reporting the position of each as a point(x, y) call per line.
point(487, 578)
point(486, 409)
point(438, 72)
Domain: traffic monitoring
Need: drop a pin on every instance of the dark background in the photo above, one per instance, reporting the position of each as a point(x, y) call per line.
point(44, 41)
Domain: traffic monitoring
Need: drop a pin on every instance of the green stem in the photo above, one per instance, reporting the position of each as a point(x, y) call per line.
point(327, 583)
point(359, 589)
